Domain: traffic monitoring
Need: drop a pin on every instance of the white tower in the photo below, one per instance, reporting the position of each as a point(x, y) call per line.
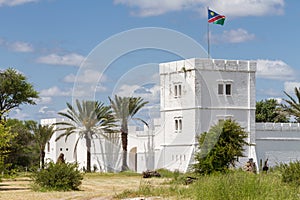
point(196, 94)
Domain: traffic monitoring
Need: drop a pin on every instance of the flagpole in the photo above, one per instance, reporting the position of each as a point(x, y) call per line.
point(208, 44)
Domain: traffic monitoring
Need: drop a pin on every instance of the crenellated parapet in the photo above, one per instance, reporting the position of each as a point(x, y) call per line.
point(207, 64)
point(277, 127)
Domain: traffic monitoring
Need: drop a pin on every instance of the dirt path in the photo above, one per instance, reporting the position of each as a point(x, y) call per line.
point(93, 188)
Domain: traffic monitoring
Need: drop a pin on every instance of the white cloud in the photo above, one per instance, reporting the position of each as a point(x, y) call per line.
point(21, 47)
point(44, 100)
point(240, 8)
point(43, 109)
point(55, 91)
point(151, 94)
point(17, 46)
point(46, 112)
point(15, 2)
point(72, 59)
point(289, 87)
point(233, 36)
point(276, 70)
point(127, 90)
point(229, 8)
point(87, 76)
point(270, 92)
point(18, 114)
point(90, 81)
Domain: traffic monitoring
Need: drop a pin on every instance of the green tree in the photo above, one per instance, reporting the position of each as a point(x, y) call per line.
point(269, 110)
point(90, 119)
point(125, 108)
point(14, 91)
point(293, 105)
point(42, 135)
point(220, 147)
point(23, 150)
point(5, 143)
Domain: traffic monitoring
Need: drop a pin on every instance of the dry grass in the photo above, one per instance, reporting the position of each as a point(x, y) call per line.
point(94, 186)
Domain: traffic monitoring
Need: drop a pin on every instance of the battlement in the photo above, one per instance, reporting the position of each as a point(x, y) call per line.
point(277, 127)
point(208, 64)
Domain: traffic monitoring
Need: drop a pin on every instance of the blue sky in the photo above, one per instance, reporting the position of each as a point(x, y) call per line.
point(47, 41)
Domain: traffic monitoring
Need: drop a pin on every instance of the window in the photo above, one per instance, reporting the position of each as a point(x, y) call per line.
point(177, 90)
point(178, 125)
point(228, 89)
point(220, 89)
point(225, 88)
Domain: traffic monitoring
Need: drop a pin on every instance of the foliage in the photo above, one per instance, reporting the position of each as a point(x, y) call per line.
point(91, 119)
point(59, 177)
point(241, 185)
point(23, 150)
point(125, 108)
point(42, 135)
point(14, 91)
point(290, 173)
point(293, 107)
point(218, 186)
point(147, 189)
point(5, 143)
point(269, 110)
point(220, 147)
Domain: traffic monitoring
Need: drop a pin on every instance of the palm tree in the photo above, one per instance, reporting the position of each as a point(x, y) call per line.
point(90, 119)
point(293, 107)
point(42, 135)
point(125, 108)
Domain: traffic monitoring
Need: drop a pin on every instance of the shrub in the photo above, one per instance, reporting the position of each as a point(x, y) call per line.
point(59, 177)
point(290, 173)
point(220, 147)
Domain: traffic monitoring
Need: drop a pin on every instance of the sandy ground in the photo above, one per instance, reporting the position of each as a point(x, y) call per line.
point(92, 188)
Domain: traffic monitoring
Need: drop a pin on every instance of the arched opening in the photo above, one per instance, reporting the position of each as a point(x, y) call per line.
point(133, 159)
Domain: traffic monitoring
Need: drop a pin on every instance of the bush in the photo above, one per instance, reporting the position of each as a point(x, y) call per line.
point(59, 177)
point(290, 173)
point(220, 147)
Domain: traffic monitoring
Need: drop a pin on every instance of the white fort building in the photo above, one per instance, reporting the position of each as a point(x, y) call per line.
point(195, 94)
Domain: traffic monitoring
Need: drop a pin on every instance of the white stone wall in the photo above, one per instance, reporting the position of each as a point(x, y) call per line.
point(278, 142)
point(60, 146)
point(200, 106)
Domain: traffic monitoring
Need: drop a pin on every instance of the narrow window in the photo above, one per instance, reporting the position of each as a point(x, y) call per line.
point(220, 89)
point(228, 89)
point(180, 124)
point(176, 125)
point(179, 90)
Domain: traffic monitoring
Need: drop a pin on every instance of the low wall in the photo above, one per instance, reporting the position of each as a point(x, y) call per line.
point(277, 142)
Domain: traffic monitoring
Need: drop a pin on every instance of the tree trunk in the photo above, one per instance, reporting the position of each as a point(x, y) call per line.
point(42, 154)
point(124, 136)
point(88, 154)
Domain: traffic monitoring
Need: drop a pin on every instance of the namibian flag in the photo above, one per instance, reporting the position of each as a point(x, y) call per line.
point(215, 18)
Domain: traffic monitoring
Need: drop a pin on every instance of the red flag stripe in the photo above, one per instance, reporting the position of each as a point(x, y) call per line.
point(216, 18)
